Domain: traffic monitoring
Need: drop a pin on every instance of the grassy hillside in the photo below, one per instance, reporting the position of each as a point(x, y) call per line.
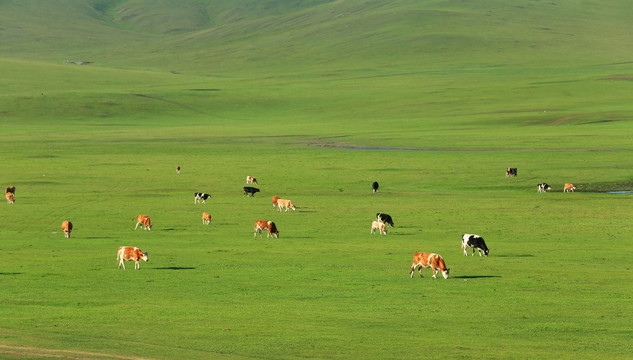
point(317, 99)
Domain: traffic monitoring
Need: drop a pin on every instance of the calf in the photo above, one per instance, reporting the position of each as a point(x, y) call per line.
point(543, 187)
point(200, 197)
point(143, 220)
point(429, 260)
point(476, 242)
point(386, 218)
point(511, 172)
point(250, 191)
point(374, 186)
point(251, 180)
point(268, 225)
point(569, 187)
point(9, 193)
point(275, 199)
point(285, 204)
point(380, 226)
point(127, 253)
point(206, 218)
point(67, 226)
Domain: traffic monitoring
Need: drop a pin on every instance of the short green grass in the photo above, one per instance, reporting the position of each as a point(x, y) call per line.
point(431, 99)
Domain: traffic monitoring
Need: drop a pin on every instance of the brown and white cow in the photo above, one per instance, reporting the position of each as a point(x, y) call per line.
point(285, 204)
point(67, 226)
point(206, 218)
point(275, 199)
point(378, 225)
point(569, 188)
point(268, 225)
point(9, 193)
point(144, 221)
point(429, 260)
point(127, 253)
point(251, 180)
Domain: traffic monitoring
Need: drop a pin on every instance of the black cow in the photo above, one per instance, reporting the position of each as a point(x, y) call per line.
point(476, 242)
point(385, 218)
point(250, 190)
point(374, 186)
point(543, 187)
point(201, 197)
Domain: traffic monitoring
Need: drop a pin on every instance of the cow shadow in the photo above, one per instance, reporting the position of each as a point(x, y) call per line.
point(175, 268)
point(476, 276)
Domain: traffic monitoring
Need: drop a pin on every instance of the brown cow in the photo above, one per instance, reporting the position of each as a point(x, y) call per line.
point(268, 225)
point(275, 199)
point(429, 260)
point(9, 193)
point(206, 218)
point(143, 220)
point(285, 204)
point(126, 253)
point(67, 226)
point(569, 187)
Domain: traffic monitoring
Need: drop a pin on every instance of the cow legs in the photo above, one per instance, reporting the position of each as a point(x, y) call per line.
point(121, 264)
point(137, 224)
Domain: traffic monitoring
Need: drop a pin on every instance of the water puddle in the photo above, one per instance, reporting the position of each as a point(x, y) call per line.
point(620, 192)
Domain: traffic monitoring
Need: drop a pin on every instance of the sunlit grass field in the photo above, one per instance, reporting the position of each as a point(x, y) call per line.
point(435, 117)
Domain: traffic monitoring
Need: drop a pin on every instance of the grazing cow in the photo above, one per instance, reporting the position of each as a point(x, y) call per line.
point(543, 187)
point(127, 253)
point(429, 260)
point(206, 218)
point(9, 193)
point(569, 187)
point(143, 220)
point(511, 172)
point(285, 204)
point(251, 180)
point(268, 225)
point(374, 186)
point(178, 170)
point(67, 226)
point(386, 218)
point(200, 197)
point(250, 191)
point(275, 199)
point(378, 225)
point(476, 242)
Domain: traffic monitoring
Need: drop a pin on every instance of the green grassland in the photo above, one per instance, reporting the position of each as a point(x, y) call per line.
point(317, 99)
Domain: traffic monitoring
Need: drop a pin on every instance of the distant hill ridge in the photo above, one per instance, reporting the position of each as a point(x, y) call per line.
point(287, 35)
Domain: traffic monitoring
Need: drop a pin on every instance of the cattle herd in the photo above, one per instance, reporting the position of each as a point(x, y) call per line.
point(420, 259)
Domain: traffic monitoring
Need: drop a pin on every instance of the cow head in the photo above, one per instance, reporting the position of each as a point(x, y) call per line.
point(445, 273)
point(486, 251)
point(144, 257)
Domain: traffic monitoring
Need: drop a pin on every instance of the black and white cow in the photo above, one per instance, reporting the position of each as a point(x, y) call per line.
point(201, 197)
point(543, 187)
point(248, 190)
point(385, 218)
point(374, 186)
point(476, 242)
point(511, 172)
